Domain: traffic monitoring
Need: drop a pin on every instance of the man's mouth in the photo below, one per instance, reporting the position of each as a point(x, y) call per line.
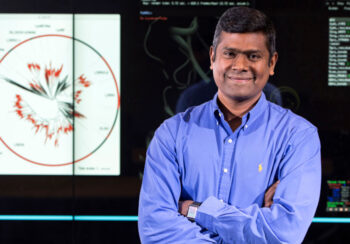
point(240, 79)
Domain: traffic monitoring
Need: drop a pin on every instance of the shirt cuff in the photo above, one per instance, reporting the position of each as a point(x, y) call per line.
point(208, 211)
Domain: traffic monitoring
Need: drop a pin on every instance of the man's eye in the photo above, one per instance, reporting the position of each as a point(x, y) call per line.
point(229, 54)
point(254, 56)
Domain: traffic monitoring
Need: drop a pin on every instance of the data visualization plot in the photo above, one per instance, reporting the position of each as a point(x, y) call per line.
point(338, 199)
point(60, 100)
point(339, 52)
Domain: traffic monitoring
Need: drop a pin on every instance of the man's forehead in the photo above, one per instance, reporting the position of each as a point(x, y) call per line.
point(243, 41)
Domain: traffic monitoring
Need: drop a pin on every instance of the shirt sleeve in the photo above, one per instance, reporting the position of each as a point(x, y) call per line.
point(294, 202)
point(159, 220)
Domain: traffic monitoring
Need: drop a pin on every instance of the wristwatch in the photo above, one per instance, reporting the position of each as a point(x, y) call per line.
point(192, 211)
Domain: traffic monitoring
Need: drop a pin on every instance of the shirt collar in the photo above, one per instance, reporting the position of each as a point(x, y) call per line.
point(249, 117)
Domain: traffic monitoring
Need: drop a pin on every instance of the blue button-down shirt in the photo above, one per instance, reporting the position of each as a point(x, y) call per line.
point(196, 156)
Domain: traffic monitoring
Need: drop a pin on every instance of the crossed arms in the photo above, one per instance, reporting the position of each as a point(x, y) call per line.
point(286, 220)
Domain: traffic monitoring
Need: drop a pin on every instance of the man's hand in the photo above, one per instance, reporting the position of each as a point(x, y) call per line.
point(269, 194)
point(183, 207)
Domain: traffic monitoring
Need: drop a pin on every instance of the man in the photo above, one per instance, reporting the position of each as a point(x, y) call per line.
point(237, 169)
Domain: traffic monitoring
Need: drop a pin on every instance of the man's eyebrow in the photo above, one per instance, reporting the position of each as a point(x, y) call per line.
point(249, 51)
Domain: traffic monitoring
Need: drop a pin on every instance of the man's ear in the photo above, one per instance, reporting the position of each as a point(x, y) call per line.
point(272, 63)
point(212, 56)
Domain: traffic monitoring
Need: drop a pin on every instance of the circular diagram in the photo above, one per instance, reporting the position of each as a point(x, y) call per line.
point(60, 100)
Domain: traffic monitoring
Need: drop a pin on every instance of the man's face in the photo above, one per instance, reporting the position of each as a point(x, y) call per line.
point(241, 66)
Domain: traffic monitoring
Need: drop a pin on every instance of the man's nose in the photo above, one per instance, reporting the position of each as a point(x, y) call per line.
point(240, 63)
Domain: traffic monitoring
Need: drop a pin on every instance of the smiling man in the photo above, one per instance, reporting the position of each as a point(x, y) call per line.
point(237, 169)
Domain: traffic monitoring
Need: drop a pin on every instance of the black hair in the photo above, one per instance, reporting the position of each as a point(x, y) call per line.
point(245, 20)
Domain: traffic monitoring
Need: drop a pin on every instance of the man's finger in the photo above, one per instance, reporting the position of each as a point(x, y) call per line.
point(269, 194)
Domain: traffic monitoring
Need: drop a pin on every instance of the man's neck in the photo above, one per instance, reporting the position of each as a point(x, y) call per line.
point(233, 109)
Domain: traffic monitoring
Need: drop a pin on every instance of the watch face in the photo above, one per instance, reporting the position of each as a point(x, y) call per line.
point(192, 210)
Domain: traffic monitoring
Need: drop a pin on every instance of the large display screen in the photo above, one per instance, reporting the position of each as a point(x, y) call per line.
point(311, 77)
point(60, 94)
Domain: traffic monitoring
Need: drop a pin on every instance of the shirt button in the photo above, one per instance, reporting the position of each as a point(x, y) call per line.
point(230, 140)
point(246, 126)
point(225, 170)
point(219, 114)
point(221, 200)
point(217, 123)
